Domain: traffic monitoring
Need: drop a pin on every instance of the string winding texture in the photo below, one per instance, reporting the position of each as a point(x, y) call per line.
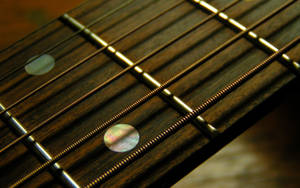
point(184, 120)
point(144, 99)
point(84, 60)
point(113, 78)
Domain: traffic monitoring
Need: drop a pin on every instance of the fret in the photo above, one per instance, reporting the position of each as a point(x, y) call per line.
point(48, 28)
point(90, 158)
point(250, 34)
point(136, 154)
point(200, 122)
point(149, 95)
point(50, 46)
point(38, 149)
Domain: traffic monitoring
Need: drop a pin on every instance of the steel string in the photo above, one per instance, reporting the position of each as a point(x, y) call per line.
point(144, 99)
point(87, 58)
point(69, 37)
point(105, 83)
point(190, 116)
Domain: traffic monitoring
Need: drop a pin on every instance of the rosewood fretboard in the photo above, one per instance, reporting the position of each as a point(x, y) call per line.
point(138, 46)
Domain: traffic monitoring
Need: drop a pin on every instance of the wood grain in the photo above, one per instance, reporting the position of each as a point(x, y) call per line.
point(175, 157)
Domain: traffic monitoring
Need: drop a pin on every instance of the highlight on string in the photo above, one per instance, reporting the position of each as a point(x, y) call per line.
point(154, 92)
point(104, 84)
point(184, 120)
point(45, 63)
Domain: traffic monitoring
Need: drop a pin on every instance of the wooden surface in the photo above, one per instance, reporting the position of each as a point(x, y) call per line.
point(19, 18)
point(264, 156)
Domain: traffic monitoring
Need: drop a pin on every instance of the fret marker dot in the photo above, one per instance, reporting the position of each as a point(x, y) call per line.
point(121, 138)
point(40, 65)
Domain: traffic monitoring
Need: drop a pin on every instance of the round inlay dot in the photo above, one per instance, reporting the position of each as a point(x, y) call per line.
point(121, 138)
point(40, 65)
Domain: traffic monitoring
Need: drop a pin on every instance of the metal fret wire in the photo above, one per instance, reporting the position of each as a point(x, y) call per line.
point(42, 27)
point(184, 120)
point(38, 149)
point(149, 95)
point(253, 36)
point(84, 60)
point(36, 146)
point(105, 83)
point(32, 144)
point(68, 38)
point(208, 130)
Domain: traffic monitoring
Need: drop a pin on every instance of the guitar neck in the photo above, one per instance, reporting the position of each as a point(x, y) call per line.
point(131, 44)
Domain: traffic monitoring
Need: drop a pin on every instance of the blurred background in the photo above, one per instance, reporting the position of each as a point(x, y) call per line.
point(266, 155)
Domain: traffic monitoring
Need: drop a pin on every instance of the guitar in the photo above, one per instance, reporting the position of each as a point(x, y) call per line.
point(33, 95)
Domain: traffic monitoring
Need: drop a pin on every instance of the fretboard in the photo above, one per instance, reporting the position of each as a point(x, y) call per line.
point(189, 76)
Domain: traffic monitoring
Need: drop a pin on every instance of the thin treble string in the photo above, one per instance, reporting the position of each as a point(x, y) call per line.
point(142, 100)
point(138, 153)
point(118, 75)
point(89, 57)
point(83, 3)
point(69, 37)
point(42, 27)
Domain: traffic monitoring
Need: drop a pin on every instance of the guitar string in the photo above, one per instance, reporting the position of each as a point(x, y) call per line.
point(84, 60)
point(68, 38)
point(138, 153)
point(144, 99)
point(105, 83)
point(42, 27)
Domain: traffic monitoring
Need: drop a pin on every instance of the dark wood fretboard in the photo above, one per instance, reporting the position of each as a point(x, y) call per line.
point(35, 100)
